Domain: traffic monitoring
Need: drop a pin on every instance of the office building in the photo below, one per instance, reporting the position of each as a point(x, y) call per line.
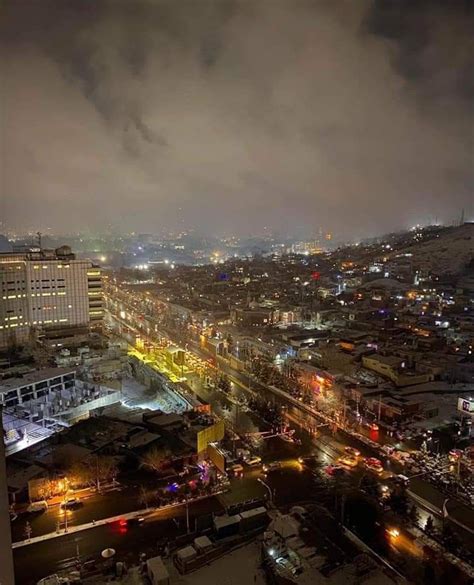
point(47, 292)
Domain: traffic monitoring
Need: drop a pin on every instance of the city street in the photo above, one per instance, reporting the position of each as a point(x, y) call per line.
point(370, 443)
point(35, 561)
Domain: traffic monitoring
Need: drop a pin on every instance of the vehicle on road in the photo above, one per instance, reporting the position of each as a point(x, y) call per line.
point(71, 504)
point(454, 455)
point(35, 507)
point(272, 466)
point(253, 461)
point(352, 451)
point(348, 461)
point(309, 461)
point(402, 479)
point(374, 427)
point(237, 470)
point(135, 521)
point(335, 470)
point(373, 464)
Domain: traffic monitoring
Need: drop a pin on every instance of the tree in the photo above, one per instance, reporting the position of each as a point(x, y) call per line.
point(156, 458)
point(398, 501)
point(93, 471)
point(450, 539)
point(144, 497)
point(414, 515)
point(429, 526)
point(370, 486)
point(224, 384)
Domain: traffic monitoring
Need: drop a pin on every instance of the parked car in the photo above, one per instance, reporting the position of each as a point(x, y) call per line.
point(309, 461)
point(373, 464)
point(335, 470)
point(352, 451)
point(348, 461)
point(254, 461)
point(272, 466)
point(237, 470)
point(71, 504)
point(39, 506)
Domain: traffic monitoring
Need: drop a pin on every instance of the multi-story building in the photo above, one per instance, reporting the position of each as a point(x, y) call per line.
point(45, 291)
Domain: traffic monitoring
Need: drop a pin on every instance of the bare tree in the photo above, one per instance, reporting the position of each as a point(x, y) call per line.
point(156, 458)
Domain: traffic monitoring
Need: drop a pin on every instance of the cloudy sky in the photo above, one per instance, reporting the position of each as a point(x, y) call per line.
point(229, 115)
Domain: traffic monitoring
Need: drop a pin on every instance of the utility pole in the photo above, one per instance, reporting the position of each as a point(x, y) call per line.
point(187, 515)
point(380, 407)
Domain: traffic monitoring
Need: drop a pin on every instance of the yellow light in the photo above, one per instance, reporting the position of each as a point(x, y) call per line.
point(393, 532)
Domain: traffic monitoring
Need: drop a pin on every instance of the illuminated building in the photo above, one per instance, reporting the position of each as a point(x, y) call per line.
point(47, 291)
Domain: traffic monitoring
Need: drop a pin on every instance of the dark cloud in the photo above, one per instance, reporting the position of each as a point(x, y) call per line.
point(230, 115)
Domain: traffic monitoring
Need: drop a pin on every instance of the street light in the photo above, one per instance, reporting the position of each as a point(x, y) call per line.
point(269, 489)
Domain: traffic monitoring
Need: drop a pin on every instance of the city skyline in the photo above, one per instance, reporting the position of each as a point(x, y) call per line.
point(230, 116)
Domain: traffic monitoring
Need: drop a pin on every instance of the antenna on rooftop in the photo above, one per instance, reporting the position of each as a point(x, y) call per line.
point(39, 234)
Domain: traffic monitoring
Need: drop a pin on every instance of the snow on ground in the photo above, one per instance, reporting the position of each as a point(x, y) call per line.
point(136, 395)
point(449, 253)
point(240, 567)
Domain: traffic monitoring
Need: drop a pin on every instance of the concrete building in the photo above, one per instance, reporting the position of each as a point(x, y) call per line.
point(47, 292)
point(43, 402)
point(393, 368)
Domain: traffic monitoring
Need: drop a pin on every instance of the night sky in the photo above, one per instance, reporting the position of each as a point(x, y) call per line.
point(228, 116)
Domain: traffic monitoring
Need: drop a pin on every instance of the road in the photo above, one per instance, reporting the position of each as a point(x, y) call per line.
point(39, 560)
point(94, 507)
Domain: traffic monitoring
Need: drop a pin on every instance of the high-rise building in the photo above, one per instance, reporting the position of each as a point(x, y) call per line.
point(45, 291)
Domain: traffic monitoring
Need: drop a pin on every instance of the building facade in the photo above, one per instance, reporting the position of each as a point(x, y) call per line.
point(45, 290)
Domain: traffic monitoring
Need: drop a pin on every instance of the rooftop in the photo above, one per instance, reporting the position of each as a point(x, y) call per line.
point(34, 377)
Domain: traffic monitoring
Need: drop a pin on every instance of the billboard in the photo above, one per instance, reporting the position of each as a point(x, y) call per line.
point(466, 405)
point(212, 434)
point(217, 457)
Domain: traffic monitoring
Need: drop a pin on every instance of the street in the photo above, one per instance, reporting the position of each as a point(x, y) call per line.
point(35, 561)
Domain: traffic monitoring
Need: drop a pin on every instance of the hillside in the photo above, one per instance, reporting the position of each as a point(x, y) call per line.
point(449, 252)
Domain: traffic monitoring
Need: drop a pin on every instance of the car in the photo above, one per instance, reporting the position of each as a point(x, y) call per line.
point(454, 455)
point(373, 464)
point(39, 506)
point(272, 466)
point(237, 470)
point(134, 521)
point(348, 461)
point(334, 470)
point(253, 461)
point(309, 461)
point(352, 451)
point(71, 504)
point(402, 479)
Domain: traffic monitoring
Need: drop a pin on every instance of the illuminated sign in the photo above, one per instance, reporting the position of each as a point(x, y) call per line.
point(466, 405)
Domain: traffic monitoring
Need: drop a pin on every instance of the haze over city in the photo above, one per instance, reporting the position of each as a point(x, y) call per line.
point(237, 292)
point(228, 116)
